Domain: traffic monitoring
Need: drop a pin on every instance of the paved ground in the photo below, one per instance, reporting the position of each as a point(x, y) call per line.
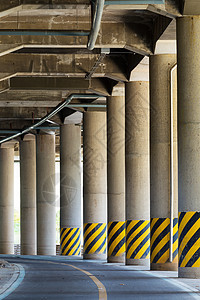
point(9, 277)
point(54, 278)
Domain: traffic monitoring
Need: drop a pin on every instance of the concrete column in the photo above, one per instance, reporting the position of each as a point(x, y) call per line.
point(174, 165)
point(137, 174)
point(28, 196)
point(188, 38)
point(94, 184)
point(116, 178)
point(160, 170)
point(6, 201)
point(46, 210)
point(70, 189)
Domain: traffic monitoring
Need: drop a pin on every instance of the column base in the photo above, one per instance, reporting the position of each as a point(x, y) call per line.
point(49, 252)
point(138, 262)
point(116, 259)
point(185, 272)
point(95, 256)
point(27, 250)
point(6, 248)
point(164, 266)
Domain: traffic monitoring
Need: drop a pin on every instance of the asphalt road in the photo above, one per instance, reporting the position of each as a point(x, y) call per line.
point(54, 279)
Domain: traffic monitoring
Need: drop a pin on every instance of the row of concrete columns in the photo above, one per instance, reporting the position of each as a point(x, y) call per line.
point(111, 151)
point(162, 221)
point(45, 178)
point(142, 211)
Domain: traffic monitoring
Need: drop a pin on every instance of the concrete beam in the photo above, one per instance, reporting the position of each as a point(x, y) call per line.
point(53, 3)
point(141, 72)
point(71, 65)
point(6, 49)
point(170, 8)
point(111, 35)
point(102, 86)
point(23, 113)
point(20, 123)
point(4, 85)
point(9, 7)
point(30, 98)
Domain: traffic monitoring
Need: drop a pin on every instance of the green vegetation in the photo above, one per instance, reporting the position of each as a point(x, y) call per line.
point(17, 227)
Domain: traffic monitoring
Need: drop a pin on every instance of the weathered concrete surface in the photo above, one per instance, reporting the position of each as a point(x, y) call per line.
point(174, 190)
point(137, 157)
point(31, 99)
point(4, 85)
point(94, 171)
point(101, 86)
point(188, 31)
point(116, 164)
point(191, 7)
point(70, 176)
point(160, 133)
point(28, 196)
point(73, 65)
point(160, 101)
point(6, 200)
point(112, 34)
point(46, 201)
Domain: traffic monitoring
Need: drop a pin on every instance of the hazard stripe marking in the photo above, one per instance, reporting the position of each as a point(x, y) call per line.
point(137, 239)
point(70, 241)
point(95, 238)
point(189, 239)
point(116, 238)
point(160, 240)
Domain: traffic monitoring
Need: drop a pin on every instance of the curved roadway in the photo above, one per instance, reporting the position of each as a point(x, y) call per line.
point(49, 278)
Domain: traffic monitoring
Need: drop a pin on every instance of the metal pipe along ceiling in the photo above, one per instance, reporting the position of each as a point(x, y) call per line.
point(99, 5)
point(50, 115)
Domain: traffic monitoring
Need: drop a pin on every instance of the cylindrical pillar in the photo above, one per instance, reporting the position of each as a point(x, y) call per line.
point(160, 170)
point(188, 38)
point(137, 173)
point(70, 189)
point(174, 166)
point(6, 200)
point(94, 184)
point(28, 196)
point(116, 178)
point(45, 179)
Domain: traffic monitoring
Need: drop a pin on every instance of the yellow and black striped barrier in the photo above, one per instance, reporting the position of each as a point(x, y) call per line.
point(189, 239)
point(116, 238)
point(160, 240)
point(175, 239)
point(70, 241)
point(95, 238)
point(137, 239)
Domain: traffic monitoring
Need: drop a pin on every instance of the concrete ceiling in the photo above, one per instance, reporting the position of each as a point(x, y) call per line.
point(38, 71)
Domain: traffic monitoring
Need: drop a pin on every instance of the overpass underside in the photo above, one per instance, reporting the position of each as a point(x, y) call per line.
point(123, 97)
